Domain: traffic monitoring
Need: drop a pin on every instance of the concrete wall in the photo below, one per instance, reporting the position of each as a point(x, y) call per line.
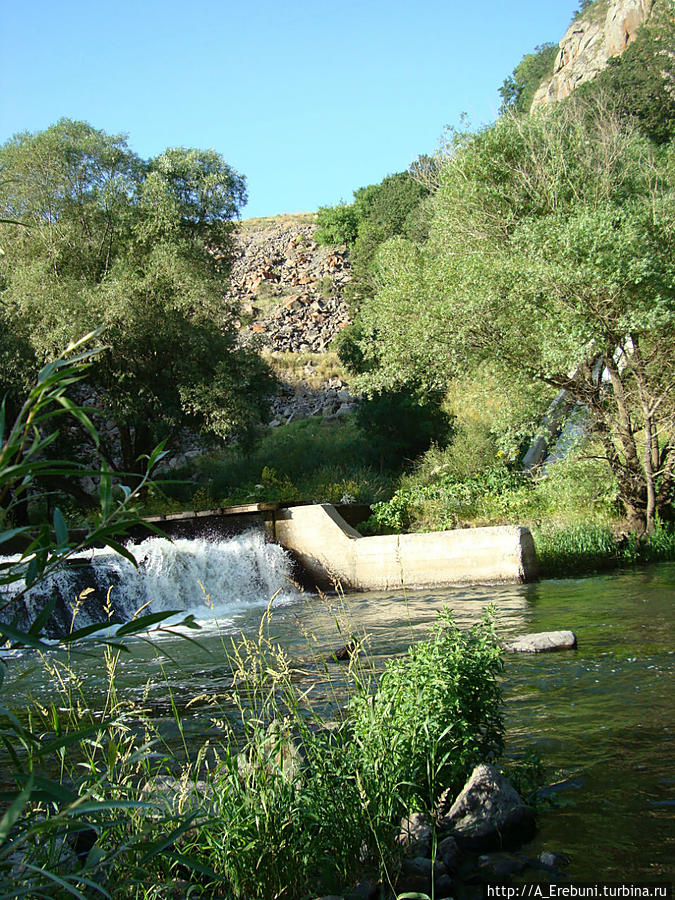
point(334, 552)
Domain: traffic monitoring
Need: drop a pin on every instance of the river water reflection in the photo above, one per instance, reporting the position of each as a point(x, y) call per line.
point(602, 717)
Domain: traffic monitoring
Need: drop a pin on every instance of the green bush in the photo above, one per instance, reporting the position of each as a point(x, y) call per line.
point(305, 460)
point(400, 426)
point(519, 88)
point(435, 714)
point(640, 82)
point(448, 501)
point(337, 224)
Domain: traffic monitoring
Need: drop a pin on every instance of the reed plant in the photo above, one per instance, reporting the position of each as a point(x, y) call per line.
point(581, 549)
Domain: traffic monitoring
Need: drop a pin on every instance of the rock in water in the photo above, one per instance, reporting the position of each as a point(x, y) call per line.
point(489, 813)
point(542, 642)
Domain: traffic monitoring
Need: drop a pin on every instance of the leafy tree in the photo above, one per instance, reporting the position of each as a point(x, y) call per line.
point(379, 212)
point(519, 88)
point(401, 425)
point(640, 82)
point(550, 254)
point(139, 249)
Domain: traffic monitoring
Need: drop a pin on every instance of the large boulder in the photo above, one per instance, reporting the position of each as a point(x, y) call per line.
point(489, 814)
point(542, 642)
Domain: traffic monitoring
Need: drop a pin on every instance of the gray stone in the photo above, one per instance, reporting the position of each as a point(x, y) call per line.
point(489, 813)
point(542, 642)
point(553, 860)
point(416, 875)
point(449, 853)
point(499, 866)
point(415, 835)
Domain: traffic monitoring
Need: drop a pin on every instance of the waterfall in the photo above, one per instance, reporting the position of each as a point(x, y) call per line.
point(214, 580)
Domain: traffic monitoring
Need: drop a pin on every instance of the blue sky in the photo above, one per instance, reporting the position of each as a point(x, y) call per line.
point(308, 100)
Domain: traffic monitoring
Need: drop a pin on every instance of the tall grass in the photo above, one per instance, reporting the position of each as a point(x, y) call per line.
point(279, 805)
point(581, 549)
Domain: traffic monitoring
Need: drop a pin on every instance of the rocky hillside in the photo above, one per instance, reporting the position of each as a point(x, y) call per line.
point(289, 288)
point(604, 30)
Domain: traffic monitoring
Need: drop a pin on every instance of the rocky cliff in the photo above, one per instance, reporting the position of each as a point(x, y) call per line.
point(289, 291)
point(604, 30)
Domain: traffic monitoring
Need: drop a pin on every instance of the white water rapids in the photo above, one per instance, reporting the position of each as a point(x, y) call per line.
point(214, 580)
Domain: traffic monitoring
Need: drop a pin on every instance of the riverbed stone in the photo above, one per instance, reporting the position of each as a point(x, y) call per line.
point(542, 642)
point(489, 814)
point(415, 835)
point(416, 875)
point(449, 853)
point(552, 860)
point(500, 866)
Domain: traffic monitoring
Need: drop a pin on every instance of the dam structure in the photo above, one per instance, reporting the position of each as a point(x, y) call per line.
point(331, 551)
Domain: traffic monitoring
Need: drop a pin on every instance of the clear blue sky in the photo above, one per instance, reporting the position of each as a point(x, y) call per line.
point(308, 100)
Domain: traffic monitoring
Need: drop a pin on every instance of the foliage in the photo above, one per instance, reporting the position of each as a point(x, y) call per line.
point(640, 82)
point(440, 495)
point(583, 6)
point(139, 249)
point(400, 426)
point(550, 256)
point(51, 832)
point(519, 88)
point(591, 548)
point(336, 224)
point(305, 460)
point(494, 495)
point(379, 211)
point(434, 715)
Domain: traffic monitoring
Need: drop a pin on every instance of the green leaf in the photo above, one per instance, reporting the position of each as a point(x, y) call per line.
point(14, 811)
point(22, 638)
point(88, 630)
point(105, 489)
point(42, 618)
point(144, 622)
point(60, 528)
point(120, 548)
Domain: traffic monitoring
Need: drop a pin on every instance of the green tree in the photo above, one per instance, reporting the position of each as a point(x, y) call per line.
point(551, 253)
point(519, 88)
point(401, 425)
point(139, 249)
point(640, 82)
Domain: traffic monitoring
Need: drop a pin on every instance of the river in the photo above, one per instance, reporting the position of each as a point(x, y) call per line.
point(601, 717)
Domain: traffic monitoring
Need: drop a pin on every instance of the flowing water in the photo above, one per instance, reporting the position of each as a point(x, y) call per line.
point(601, 717)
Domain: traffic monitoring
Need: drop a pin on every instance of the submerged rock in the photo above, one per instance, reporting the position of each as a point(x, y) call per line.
point(489, 813)
point(542, 642)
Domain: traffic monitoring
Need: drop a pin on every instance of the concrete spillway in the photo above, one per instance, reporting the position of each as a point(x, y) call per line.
point(333, 552)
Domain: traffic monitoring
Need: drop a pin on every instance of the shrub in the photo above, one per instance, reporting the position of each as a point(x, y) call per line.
point(435, 714)
point(336, 224)
point(400, 426)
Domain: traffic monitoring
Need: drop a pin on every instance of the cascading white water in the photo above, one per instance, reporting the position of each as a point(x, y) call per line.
point(214, 580)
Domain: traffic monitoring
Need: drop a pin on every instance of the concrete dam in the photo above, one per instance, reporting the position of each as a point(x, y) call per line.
point(325, 543)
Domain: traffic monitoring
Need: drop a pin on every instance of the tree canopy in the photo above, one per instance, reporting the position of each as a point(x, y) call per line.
point(551, 251)
point(139, 248)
